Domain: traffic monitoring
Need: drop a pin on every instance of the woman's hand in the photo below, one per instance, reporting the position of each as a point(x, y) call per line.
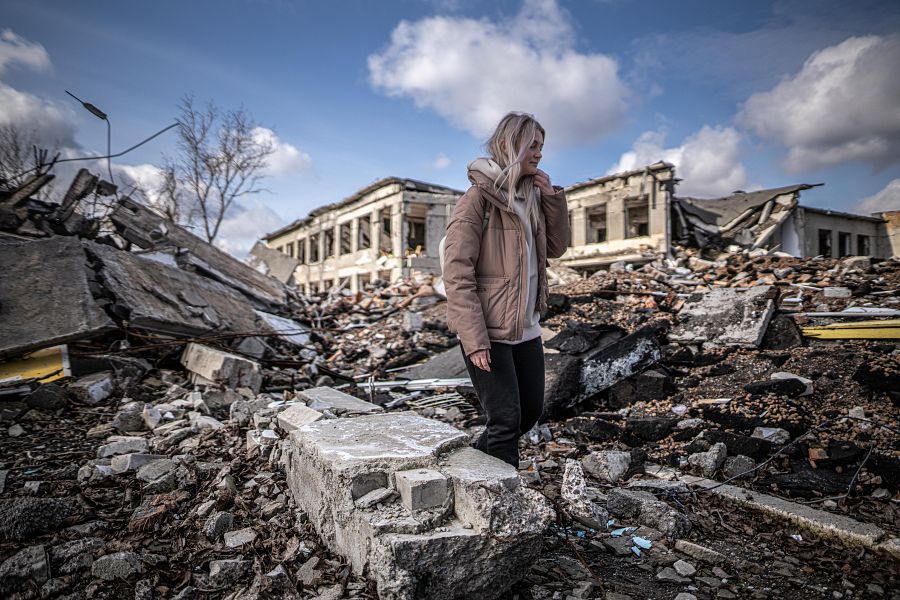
point(542, 181)
point(481, 359)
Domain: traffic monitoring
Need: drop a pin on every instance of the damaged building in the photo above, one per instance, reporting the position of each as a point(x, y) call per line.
point(383, 231)
point(392, 228)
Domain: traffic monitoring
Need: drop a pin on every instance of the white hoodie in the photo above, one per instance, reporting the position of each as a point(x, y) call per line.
point(531, 328)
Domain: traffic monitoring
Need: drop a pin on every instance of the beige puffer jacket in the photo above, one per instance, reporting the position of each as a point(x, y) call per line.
point(486, 277)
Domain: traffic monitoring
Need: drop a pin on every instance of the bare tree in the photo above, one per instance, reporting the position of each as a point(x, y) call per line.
point(219, 160)
point(20, 152)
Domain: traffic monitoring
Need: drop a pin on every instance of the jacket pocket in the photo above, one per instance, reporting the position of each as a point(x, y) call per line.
point(493, 293)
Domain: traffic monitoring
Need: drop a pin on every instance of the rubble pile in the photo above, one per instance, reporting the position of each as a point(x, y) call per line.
point(177, 424)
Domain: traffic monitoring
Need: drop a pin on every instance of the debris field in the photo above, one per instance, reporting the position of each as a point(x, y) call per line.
point(720, 423)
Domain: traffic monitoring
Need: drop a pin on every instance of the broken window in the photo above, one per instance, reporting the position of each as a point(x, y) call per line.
point(290, 249)
point(825, 242)
point(346, 239)
point(328, 238)
point(597, 224)
point(385, 244)
point(637, 219)
point(313, 287)
point(863, 247)
point(314, 248)
point(415, 227)
point(844, 244)
point(301, 251)
point(365, 228)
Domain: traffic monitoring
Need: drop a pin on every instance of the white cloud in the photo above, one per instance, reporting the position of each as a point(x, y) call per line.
point(287, 159)
point(887, 199)
point(16, 49)
point(52, 124)
point(841, 106)
point(244, 225)
point(707, 161)
point(441, 161)
point(472, 72)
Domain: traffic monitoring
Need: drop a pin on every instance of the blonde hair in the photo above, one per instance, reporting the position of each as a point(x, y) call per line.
point(507, 146)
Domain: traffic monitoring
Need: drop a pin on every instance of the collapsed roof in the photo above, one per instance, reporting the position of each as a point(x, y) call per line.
point(744, 218)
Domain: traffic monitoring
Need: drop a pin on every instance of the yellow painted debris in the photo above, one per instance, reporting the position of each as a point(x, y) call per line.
point(47, 364)
point(888, 329)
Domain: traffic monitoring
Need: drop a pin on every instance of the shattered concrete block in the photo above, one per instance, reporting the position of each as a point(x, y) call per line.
point(94, 388)
point(220, 367)
point(609, 465)
point(337, 402)
point(227, 572)
point(710, 461)
point(30, 563)
point(124, 463)
point(297, 415)
point(239, 537)
point(737, 465)
point(574, 493)
point(647, 510)
point(776, 435)
point(117, 567)
point(123, 444)
point(726, 317)
point(421, 489)
point(482, 546)
point(610, 364)
point(698, 552)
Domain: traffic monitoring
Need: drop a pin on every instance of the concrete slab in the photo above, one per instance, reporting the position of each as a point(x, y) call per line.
point(845, 529)
point(222, 368)
point(448, 364)
point(158, 297)
point(726, 317)
point(339, 403)
point(614, 362)
point(476, 548)
point(45, 298)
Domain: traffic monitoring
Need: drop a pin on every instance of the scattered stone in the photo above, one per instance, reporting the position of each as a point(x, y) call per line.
point(296, 416)
point(685, 596)
point(24, 518)
point(119, 566)
point(74, 556)
point(155, 470)
point(308, 573)
point(93, 389)
point(211, 366)
point(121, 444)
point(226, 573)
point(379, 496)
point(775, 435)
point(737, 465)
point(152, 416)
point(124, 463)
point(684, 568)
point(608, 465)
point(30, 563)
point(240, 537)
point(783, 376)
point(49, 396)
point(15, 431)
point(578, 503)
point(647, 510)
point(129, 418)
point(698, 552)
point(217, 524)
point(670, 575)
point(707, 463)
point(205, 422)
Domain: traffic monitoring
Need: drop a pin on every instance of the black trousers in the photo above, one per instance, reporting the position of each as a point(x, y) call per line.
point(512, 395)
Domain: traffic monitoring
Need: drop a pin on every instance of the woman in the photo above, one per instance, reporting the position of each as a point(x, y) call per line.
point(498, 239)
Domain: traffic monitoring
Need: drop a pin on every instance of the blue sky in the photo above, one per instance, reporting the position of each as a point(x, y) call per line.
point(738, 95)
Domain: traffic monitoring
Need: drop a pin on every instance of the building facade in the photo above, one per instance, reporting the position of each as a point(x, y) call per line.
point(383, 231)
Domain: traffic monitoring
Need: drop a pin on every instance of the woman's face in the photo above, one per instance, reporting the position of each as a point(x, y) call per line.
point(533, 154)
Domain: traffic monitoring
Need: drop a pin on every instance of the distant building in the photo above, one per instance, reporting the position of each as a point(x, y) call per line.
point(393, 227)
point(383, 231)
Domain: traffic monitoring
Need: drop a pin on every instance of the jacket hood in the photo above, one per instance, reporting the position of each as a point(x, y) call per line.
point(484, 171)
